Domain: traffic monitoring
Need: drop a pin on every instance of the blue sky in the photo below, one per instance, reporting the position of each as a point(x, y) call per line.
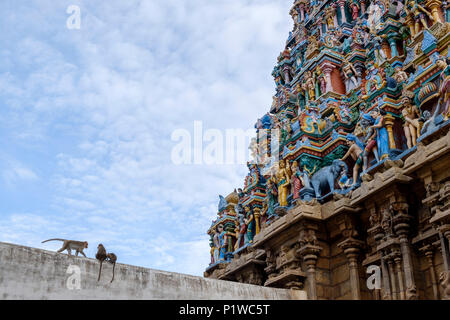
point(87, 115)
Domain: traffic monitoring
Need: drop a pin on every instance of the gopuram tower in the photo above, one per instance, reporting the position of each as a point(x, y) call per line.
point(353, 199)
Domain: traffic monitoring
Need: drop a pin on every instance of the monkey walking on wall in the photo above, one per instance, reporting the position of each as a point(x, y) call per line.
point(70, 245)
point(103, 256)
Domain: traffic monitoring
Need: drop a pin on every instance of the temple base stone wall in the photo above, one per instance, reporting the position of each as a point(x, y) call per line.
point(29, 273)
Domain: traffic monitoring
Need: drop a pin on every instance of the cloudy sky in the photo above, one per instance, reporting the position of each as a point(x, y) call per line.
point(86, 118)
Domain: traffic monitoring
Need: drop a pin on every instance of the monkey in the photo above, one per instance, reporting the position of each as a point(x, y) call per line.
point(70, 245)
point(103, 256)
point(112, 258)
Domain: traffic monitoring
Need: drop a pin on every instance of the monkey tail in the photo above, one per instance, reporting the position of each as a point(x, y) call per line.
point(99, 271)
point(114, 266)
point(53, 240)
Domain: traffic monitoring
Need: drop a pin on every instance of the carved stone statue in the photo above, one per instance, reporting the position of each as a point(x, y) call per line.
point(374, 218)
point(444, 281)
point(296, 180)
point(329, 17)
point(412, 125)
point(249, 221)
point(419, 15)
point(400, 75)
point(322, 81)
point(242, 232)
point(283, 181)
point(382, 134)
point(271, 196)
point(356, 152)
point(444, 87)
point(375, 14)
point(309, 85)
point(307, 237)
point(386, 221)
point(355, 10)
point(219, 243)
point(327, 176)
point(350, 76)
point(370, 139)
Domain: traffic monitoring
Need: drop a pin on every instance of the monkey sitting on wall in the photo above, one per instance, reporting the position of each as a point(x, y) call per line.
point(70, 245)
point(103, 256)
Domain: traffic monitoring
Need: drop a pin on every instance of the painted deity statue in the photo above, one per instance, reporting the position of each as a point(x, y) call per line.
point(309, 85)
point(355, 150)
point(350, 76)
point(419, 15)
point(380, 55)
point(301, 100)
point(249, 221)
point(370, 139)
point(296, 179)
point(286, 131)
point(375, 14)
point(321, 79)
point(444, 98)
point(400, 75)
point(283, 181)
point(219, 243)
point(272, 196)
point(329, 17)
point(355, 10)
point(382, 134)
point(444, 87)
point(342, 112)
point(374, 78)
point(242, 229)
point(412, 125)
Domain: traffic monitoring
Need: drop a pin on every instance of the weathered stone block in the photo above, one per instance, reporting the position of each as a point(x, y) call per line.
point(340, 274)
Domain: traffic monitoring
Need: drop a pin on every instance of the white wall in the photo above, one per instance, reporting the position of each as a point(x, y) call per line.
point(29, 273)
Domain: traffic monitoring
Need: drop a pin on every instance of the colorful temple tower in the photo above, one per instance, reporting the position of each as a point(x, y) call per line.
point(361, 176)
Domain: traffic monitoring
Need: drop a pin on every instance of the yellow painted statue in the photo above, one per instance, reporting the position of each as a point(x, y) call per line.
point(283, 182)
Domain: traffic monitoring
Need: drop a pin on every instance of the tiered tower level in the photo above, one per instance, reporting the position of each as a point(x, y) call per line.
point(362, 178)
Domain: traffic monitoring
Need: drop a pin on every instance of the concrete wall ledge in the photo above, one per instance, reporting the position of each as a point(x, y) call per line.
point(30, 273)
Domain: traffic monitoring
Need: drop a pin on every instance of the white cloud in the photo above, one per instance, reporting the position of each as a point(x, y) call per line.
point(97, 107)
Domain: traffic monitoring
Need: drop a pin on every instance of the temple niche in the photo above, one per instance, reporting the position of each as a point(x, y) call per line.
point(359, 179)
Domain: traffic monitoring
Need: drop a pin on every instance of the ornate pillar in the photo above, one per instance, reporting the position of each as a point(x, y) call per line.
point(327, 69)
point(393, 44)
point(310, 254)
point(428, 251)
point(359, 68)
point(434, 6)
point(438, 200)
point(363, 6)
point(393, 283)
point(351, 248)
point(302, 11)
point(286, 73)
point(389, 122)
point(319, 26)
point(387, 294)
point(294, 15)
point(401, 227)
point(336, 23)
point(398, 266)
point(444, 235)
point(341, 4)
point(257, 214)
